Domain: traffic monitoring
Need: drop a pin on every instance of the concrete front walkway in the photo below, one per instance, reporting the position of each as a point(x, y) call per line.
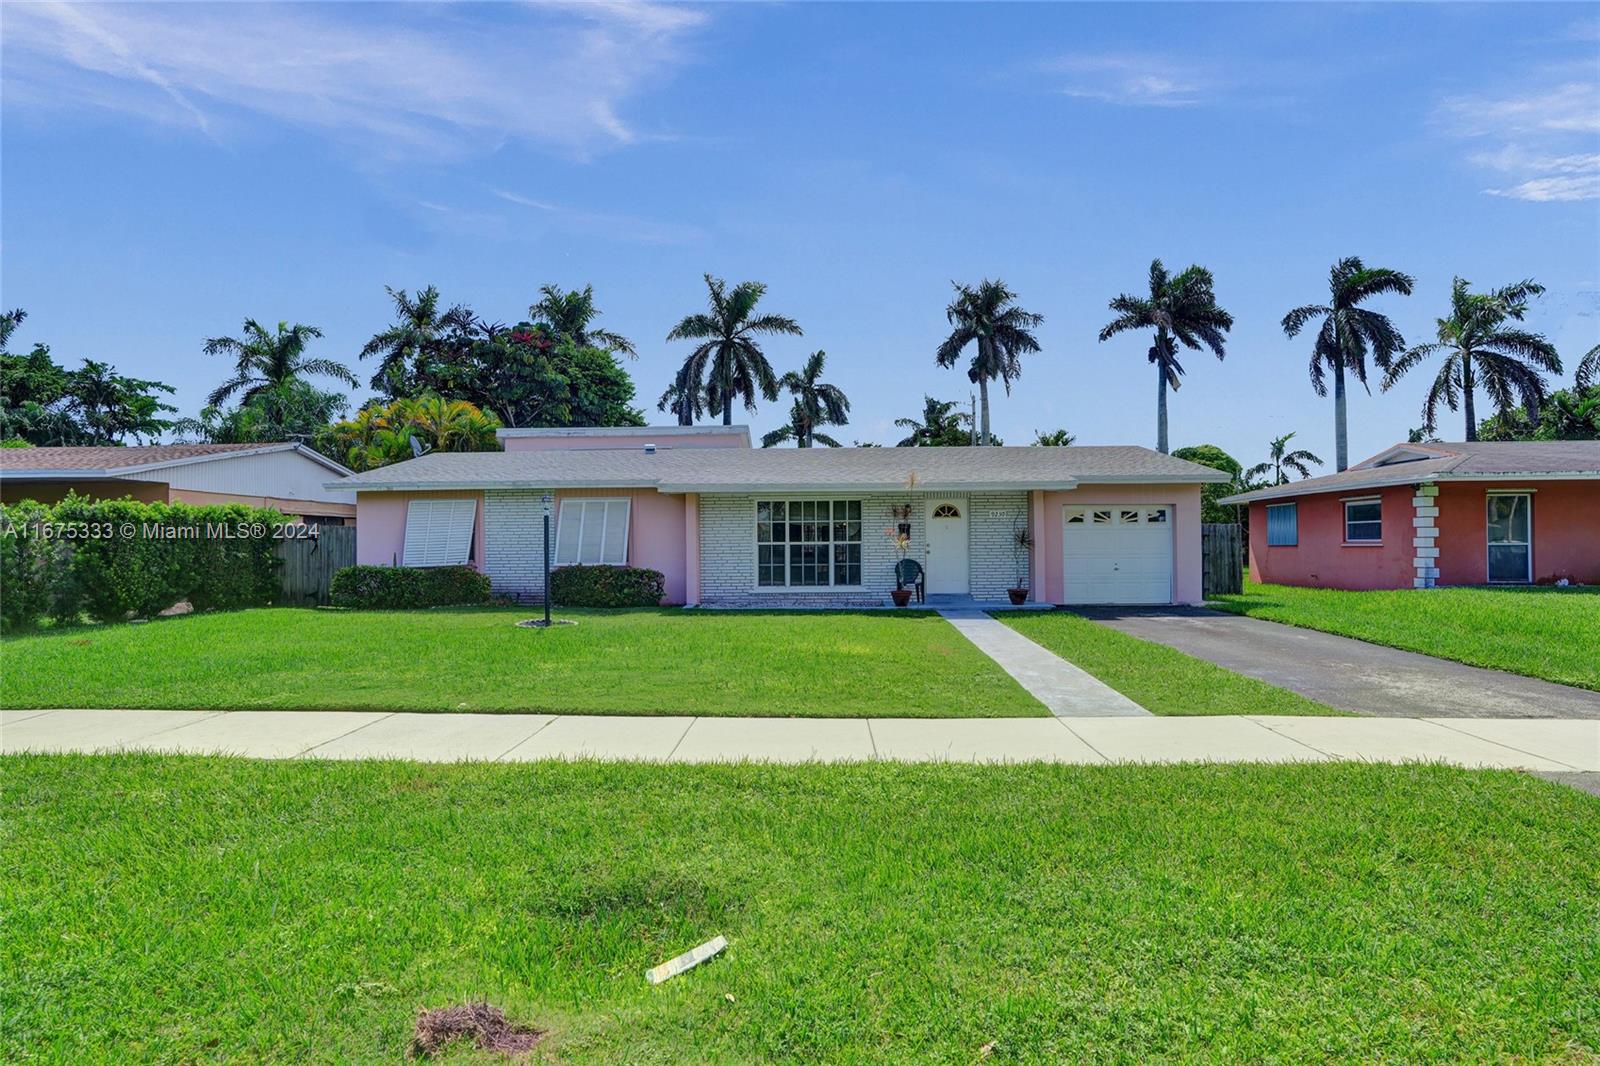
point(1565, 747)
point(1054, 682)
point(1351, 675)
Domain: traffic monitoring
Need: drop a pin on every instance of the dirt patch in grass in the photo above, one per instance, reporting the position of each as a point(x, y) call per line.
point(486, 1026)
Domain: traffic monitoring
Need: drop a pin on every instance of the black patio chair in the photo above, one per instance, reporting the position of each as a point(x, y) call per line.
point(909, 572)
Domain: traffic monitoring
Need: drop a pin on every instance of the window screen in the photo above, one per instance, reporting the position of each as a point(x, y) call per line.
point(592, 533)
point(1283, 525)
point(439, 532)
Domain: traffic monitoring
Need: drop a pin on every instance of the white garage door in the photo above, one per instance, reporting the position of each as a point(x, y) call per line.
point(1118, 554)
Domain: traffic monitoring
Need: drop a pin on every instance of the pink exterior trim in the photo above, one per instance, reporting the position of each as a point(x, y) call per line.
point(1566, 537)
point(1185, 501)
point(1036, 581)
point(691, 548)
point(381, 525)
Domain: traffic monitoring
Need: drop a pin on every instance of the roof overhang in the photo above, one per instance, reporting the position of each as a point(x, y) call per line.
point(897, 485)
point(1309, 488)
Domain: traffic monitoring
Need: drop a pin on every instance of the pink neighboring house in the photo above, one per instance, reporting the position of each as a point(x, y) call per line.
point(732, 525)
point(1420, 515)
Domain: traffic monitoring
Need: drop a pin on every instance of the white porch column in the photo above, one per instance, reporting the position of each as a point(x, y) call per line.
point(1425, 535)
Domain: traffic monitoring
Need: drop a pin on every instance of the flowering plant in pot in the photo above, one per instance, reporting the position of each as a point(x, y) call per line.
point(901, 543)
point(1021, 545)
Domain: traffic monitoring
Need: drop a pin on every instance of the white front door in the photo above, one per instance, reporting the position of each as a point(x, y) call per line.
point(1117, 553)
point(947, 547)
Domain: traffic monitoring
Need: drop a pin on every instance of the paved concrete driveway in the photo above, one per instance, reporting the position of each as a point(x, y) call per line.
point(1351, 675)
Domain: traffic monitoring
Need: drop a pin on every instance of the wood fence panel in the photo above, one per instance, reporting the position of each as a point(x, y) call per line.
point(309, 563)
point(1221, 558)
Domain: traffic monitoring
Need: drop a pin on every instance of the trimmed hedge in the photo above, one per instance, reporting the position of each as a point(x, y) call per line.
point(408, 587)
point(115, 559)
point(607, 586)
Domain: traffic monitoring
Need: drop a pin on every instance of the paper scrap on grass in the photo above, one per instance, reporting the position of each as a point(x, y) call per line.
point(687, 961)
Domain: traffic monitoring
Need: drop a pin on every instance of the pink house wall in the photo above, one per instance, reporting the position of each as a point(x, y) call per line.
point(1185, 501)
point(657, 530)
point(1323, 559)
point(1566, 530)
point(381, 525)
point(625, 440)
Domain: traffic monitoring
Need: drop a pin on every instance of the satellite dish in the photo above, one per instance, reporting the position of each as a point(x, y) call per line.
point(418, 449)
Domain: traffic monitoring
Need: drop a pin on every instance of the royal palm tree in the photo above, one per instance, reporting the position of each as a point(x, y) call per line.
point(1588, 369)
point(1349, 333)
point(815, 404)
point(728, 362)
point(986, 315)
point(1282, 459)
point(1483, 350)
point(416, 339)
point(1182, 310)
point(685, 399)
point(266, 360)
point(571, 315)
point(940, 425)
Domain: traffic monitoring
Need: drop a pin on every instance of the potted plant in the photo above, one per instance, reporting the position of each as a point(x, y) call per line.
point(900, 541)
point(1021, 545)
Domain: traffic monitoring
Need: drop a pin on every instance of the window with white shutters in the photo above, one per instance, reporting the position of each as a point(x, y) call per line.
point(592, 533)
point(439, 532)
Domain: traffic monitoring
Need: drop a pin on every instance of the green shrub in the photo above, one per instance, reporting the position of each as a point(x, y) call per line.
point(111, 559)
point(408, 587)
point(607, 586)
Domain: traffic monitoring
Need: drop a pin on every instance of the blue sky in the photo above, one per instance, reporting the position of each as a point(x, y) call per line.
point(171, 169)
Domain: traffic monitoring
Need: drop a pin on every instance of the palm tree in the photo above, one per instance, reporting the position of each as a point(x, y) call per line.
point(1483, 350)
point(685, 399)
point(940, 425)
point(988, 316)
point(1588, 369)
point(728, 360)
point(1282, 459)
point(266, 360)
point(1348, 333)
point(413, 341)
point(815, 404)
point(569, 314)
point(447, 425)
point(1182, 310)
point(1056, 438)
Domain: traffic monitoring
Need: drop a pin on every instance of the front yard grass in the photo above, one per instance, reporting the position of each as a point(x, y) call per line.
point(1539, 632)
point(1161, 679)
point(883, 664)
point(171, 909)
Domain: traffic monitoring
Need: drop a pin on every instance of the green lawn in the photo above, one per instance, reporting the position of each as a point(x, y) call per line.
point(164, 909)
point(892, 664)
point(1541, 632)
point(1161, 679)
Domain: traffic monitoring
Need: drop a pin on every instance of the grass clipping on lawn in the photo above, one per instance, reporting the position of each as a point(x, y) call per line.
point(487, 1026)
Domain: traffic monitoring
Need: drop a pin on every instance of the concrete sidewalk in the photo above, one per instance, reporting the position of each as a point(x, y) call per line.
point(1561, 746)
point(1067, 690)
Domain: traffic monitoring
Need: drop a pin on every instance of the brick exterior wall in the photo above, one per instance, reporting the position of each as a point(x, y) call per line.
point(513, 542)
point(728, 548)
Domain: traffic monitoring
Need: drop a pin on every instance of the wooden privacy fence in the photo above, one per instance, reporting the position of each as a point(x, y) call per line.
point(1221, 558)
point(309, 563)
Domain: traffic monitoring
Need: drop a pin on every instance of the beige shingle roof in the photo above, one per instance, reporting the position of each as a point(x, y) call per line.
point(44, 463)
point(1407, 464)
point(790, 469)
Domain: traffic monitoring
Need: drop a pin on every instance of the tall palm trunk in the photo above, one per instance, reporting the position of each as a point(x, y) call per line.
point(1341, 448)
point(727, 392)
point(1161, 409)
point(983, 402)
point(1466, 400)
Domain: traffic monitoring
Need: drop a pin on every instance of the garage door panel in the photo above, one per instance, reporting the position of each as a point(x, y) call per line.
point(1117, 554)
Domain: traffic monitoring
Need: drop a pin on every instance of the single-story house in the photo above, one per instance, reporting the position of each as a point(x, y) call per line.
point(732, 525)
point(1419, 515)
point(290, 477)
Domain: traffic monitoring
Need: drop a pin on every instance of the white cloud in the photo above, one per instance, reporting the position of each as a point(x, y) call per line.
point(1130, 80)
point(1544, 139)
point(392, 78)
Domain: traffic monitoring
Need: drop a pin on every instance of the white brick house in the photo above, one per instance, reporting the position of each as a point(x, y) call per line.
point(729, 525)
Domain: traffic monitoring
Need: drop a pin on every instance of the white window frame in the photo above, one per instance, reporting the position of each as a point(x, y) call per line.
point(439, 532)
point(1487, 543)
point(829, 544)
point(580, 507)
point(1362, 502)
point(1293, 507)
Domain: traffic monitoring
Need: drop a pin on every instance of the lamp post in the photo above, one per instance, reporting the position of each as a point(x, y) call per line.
point(547, 503)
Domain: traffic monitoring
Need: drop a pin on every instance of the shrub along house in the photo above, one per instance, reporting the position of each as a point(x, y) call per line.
point(734, 526)
point(1419, 515)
